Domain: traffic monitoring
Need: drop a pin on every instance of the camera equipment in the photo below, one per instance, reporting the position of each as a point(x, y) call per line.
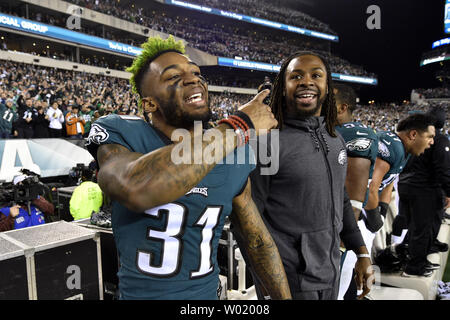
point(23, 192)
point(29, 189)
point(76, 173)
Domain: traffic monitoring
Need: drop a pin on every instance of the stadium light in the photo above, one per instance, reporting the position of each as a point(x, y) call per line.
point(260, 21)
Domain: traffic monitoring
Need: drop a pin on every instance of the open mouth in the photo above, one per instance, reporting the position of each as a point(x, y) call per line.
point(306, 97)
point(194, 98)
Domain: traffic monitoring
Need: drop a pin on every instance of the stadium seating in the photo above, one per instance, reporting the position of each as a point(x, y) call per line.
point(203, 34)
point(411, 288)
point(390, 293)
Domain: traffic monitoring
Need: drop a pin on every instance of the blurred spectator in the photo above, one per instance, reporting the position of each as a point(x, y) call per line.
point(7, 117)
point(87, 114)
point(56, 119)
point(86, 198)
point(24, 124)
point(7, 217)
point(74, 123)
point(40, 123)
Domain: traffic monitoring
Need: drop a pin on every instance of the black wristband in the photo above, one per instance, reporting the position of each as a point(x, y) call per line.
point(383, 208)
point(373, 220)
point(246, 119)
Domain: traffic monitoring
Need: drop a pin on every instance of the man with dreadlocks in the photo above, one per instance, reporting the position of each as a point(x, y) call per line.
point(304, 205)
point(167, 217)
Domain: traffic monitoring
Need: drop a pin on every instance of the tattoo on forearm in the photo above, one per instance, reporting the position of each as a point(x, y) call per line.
point(255, 241)
point(107, 151)
point(262, 250)
point(153, 169)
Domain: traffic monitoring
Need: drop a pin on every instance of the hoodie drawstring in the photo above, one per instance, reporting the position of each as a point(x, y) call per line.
point(314, 137)
point(326, 142)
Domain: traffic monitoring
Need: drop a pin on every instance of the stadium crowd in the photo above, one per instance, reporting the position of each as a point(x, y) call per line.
point(214, 38)
point(440, 92)
point(93, 95)
point(31, 91)
point(386, 116)
point(96, 95)
point(259, 9)
point(271, 10)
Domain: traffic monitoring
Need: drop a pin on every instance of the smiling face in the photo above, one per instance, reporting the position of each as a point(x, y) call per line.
point(305, 86)
point(174, 87)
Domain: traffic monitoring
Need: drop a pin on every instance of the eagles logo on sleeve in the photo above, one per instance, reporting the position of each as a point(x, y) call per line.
point(97, 134)
point(360, 144)
point(342, 158)
point(383, 149)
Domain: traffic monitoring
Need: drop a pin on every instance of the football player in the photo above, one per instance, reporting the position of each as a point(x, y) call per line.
point(414, 135)
point(167, 218)
point(361, 143)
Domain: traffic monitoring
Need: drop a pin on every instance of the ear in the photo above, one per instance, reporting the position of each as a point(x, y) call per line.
point(149, 105)
point(413, 134)
point(342, 108)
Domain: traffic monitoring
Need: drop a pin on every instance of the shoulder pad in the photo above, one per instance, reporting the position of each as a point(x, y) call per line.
point(128, 117)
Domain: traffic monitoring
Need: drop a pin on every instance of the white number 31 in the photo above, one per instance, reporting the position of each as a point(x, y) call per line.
point(172, 244)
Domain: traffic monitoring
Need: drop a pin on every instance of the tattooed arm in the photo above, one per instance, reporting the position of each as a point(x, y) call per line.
point(143, 181)
point(259, 246)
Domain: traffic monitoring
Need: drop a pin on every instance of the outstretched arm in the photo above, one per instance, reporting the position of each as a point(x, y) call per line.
point(143, 181)
point(259, 245)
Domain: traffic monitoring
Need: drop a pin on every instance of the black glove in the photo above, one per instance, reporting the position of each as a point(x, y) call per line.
point(373, 220)
point(383, 208)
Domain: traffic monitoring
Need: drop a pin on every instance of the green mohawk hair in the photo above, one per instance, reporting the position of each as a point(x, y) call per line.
point(152, 48)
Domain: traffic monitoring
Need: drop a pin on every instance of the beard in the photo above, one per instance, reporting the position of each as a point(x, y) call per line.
point(177, 117)
point(295, 112)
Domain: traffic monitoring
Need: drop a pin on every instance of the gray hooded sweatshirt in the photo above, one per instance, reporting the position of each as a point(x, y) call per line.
point(305, 206)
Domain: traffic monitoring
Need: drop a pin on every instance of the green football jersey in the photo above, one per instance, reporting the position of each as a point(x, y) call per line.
point(391, 150)
point(170, 252)
point(360, 141)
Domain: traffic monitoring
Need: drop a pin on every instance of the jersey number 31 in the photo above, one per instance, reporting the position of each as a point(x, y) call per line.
point(171, 244)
